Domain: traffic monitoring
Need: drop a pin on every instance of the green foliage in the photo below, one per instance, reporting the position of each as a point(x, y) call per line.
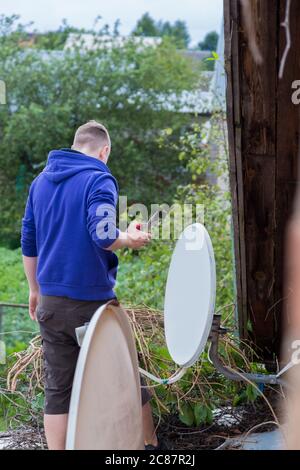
point(206, 163)
point(24, 406)
point(186, 414)
point(17, 327)
point(209, 62)
point(142, 275)
point(196, 415)
point(214, 57)
point(55, 40)
point(50, 95)
point(210, 42)
point(13, 284)
point(146, 26)
point(178, 32)
point(202, 414)
point(247, 395)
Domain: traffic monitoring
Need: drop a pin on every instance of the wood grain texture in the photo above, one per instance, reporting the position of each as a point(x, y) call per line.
point(263, 130)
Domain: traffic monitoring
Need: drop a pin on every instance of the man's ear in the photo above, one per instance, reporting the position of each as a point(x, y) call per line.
point(103, 154)
point(105, 151)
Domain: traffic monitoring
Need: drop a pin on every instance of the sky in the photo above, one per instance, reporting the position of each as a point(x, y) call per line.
point(201, 16)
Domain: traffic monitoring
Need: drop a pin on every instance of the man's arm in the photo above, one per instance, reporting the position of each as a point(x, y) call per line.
point(29, 252)
point(101, 220)
point(30, 265)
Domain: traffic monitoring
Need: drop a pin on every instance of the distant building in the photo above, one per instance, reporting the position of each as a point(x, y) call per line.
point(93, 42)
point(29, 41)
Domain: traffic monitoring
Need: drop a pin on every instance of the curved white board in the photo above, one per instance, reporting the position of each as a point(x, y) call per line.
point(105, 409)
point(190, 295)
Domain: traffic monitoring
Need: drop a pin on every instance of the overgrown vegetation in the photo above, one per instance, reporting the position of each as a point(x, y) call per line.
point(193, 398)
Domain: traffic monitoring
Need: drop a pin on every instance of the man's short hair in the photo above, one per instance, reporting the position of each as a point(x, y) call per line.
point(92, 135)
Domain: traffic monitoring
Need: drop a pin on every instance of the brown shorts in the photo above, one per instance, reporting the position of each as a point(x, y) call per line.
point(58, 317)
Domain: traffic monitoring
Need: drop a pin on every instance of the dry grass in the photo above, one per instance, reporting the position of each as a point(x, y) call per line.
point(200, 384)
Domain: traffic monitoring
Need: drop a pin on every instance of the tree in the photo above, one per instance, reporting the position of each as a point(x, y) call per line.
point(178, 32)
point(55, 40)
point(50, 95)
point(146, 26)
point(210, 42)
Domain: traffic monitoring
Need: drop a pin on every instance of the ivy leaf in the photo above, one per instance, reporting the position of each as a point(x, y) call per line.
point(186, 414)
point(214, 57)
point(203, 414)
point(200, 413)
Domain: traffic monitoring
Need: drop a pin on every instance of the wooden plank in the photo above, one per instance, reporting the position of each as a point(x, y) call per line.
point(287, 154)
point(251, 96)
point(259, 143)
point(232, 67)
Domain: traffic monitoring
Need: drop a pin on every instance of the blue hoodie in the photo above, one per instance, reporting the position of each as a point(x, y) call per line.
point(69, 221)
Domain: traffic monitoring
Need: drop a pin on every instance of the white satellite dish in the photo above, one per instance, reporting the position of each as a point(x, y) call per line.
point(190, 296)
point(105, 408)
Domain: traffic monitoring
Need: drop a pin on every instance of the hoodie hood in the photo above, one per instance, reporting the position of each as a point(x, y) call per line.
point(65, 163)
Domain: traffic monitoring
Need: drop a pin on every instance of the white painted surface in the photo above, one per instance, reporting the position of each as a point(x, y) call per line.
point(190, 295)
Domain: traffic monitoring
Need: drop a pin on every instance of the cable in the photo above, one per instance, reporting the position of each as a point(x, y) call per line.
point(172, 379)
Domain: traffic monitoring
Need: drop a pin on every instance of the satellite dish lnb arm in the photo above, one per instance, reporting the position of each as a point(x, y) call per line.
point(226, 371)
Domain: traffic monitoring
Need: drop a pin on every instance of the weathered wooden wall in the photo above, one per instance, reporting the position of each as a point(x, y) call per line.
point(263, 127)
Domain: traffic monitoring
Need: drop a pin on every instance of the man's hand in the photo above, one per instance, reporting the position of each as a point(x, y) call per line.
point(30, 265)
point(135, 225)
point(132, 238)
point(137, 239)
point(33, 303)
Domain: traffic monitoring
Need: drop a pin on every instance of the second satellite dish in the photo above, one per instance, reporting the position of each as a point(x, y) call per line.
point(105, 411)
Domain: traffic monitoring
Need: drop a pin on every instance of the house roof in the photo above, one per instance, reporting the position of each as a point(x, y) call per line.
point(90, 41)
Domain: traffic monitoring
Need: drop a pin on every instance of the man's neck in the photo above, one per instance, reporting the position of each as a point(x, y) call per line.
point(85, 151)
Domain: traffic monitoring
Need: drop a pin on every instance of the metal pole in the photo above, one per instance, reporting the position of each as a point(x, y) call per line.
point(227, 372)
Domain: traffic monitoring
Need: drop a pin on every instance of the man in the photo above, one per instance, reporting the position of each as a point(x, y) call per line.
point(68, 241)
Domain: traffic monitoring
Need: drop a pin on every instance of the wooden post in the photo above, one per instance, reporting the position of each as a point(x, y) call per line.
point(263, 131)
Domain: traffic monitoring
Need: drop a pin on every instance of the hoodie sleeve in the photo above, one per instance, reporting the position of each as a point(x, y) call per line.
point(28, 232)
point(101, 211)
